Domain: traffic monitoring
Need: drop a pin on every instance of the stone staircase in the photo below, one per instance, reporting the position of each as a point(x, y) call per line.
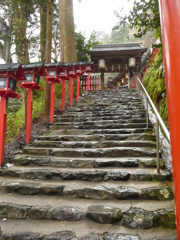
point(92, 176)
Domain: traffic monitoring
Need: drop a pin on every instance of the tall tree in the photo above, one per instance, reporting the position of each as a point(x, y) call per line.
point(55, 34)
point(144, 17)
point(67, 35)
point(48, 53)
point(84, 46)
point(43, 19)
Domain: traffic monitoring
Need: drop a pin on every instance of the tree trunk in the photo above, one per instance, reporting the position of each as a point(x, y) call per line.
point(48, 54)
point(61, 6)
point(43, 19)
point(67, 37)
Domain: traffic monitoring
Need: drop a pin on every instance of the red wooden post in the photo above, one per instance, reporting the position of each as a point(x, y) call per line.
point(88, 82)
point(3, 114)
point(29, 115)
point(170, 24)
point(85, 83)
point(71, 92)
point(63, 96)
point(78, 78)
point(52, 71)
point(52, 102)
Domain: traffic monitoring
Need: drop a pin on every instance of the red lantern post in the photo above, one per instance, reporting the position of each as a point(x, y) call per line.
point(52, 71)
point(170, 25)
point(78, 74)
point(9, 75)
point(72, 74)
point(63, 75)
point(88, 70)
point(32, 73)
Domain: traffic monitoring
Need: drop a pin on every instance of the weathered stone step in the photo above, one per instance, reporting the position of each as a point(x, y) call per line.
point(58, 201)
point(97, 120)
point(81, 230)
point(92, 144)
point(101, 126)
point(108, 191)
point(25, 160)
point(108, 114)
point(98, 137)
point(110, 108)
point(56, 131)
point(87, 174)
point(90, 152)
point(123, 118)
point(98, 213)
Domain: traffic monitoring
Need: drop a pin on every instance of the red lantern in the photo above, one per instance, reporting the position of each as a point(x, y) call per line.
point(9, 75)
point(32, 73)
point(52, 70)
point(88, 69)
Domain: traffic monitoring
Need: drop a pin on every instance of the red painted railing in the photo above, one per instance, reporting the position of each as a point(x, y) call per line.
point(94, 83)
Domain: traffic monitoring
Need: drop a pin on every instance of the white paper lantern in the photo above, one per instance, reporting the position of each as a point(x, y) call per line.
point(102, 64)
point(132, 62)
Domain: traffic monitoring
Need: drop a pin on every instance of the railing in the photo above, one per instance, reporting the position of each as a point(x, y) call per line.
point(158, 118)
point(94, 83)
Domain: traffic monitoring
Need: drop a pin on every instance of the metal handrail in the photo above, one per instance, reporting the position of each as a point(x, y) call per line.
point(158, 120)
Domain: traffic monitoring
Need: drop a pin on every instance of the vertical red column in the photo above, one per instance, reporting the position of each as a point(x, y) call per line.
point(29, 115)
point(71, 92)
point(78, 77)
point(63, 96)
point(88, 82)
point(3, 118)
point(170, 24)
point(52, 102)
point(85, 83)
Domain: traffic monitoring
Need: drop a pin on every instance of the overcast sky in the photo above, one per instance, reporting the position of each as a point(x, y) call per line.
point(98, 15)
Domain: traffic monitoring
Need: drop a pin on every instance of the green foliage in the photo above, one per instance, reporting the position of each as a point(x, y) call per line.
point(154, 82)
point(15, 124)
point(143, 17)
point(120, 35)
point(84, 46)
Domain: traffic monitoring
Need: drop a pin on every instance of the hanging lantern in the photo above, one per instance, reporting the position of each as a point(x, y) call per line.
point(88, 67)
point(102, 64)
point(132, 62)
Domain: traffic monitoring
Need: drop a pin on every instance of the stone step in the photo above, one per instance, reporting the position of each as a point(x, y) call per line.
point(86, 174)
point(91, 176)
point(132, 217)
point(92, 144)
point(110, 108)
point(107, 191)
point(100, 126)
point(58, 201)
point(91, 121)
point(92, 152)
point(98, 137)
point(56, 131)
point(25, 160)
point(123, 118)
point(120, 114)
point(81, 230)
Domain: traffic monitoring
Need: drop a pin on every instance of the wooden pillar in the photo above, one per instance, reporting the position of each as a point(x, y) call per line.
point(102, 79)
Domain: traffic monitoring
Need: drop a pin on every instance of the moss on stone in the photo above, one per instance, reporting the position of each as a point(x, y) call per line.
point(154, 82)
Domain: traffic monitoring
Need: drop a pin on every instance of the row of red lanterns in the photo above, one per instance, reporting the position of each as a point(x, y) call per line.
point(30, 75)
